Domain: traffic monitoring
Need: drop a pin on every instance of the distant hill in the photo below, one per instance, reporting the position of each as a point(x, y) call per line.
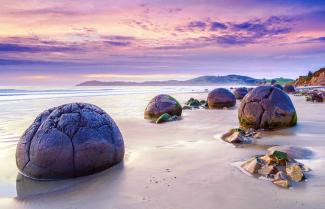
point(315, 79)
point(199, 81)
point(281, 80)
point(203, 80)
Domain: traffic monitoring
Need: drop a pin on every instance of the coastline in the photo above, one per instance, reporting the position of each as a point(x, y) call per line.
point(189, 149)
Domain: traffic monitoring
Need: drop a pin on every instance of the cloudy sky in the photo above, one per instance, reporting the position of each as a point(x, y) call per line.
point(69, 41)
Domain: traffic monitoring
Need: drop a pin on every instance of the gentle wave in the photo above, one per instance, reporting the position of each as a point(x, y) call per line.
point(23, 94)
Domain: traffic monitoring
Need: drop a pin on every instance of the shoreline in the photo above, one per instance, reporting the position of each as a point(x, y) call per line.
point(185, 149)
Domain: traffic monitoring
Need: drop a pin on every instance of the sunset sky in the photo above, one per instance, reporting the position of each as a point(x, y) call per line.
point(66, 42)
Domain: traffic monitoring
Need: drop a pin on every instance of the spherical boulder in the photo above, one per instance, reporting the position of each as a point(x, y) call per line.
point(278, 86)
point(220, 98)
point(68, 141)
point(240, 92)
point(266, 107)
point(289, 89)
point(162, 104)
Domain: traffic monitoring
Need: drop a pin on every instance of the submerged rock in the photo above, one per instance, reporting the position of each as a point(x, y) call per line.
point(266, 107)
point(162, 104)
point(240, 92)
point(220, 98)
point(71, 140)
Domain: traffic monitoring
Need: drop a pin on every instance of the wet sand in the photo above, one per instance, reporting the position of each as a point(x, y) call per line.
point(177, 165)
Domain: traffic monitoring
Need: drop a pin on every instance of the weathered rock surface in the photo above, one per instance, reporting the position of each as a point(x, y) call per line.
point(266, 107)
point(220, 98)
point(68, 141)
point(240, 92)
point(162, 104)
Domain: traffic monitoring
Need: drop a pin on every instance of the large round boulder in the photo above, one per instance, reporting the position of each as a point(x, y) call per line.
point(289, 89)
point(267, 107)
point(220, 98)
point(160, 105)
point(68, 141)
point(240, 92)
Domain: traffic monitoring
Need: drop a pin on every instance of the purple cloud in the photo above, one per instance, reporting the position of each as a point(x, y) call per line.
point(10, 47)
point(197, 25)
point(217, 25)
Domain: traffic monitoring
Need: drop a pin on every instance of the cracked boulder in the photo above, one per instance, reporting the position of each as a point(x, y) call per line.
point(220, 98)
point(266, 107)
point(240, 92)
point(68, 141)
point(160, 105)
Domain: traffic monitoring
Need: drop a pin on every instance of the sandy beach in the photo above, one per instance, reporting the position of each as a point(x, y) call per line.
point(177, 165)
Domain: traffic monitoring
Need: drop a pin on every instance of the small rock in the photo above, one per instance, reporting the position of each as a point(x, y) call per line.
point(268, 159)
point(186, 107)
point(163, 118)
point(267, 170)
point(295, 173)
point(282, 183)
point(280, 156)
point(252, 165)
point(236, 136)
point(281, 175)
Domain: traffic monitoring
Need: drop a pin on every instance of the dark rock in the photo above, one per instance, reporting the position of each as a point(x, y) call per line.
point(220, 98)
point(289, 89)
point(266, 107)
point(240, 92)
point(278, 86)
point(162, 104)
point(193, 102)
point(71, 140)
point(315, 96)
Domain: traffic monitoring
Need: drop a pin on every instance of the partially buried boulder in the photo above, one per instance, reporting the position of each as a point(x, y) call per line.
point(68, 141)
point(220, 98)
point(267, 107)
point(162, 104)
point(240, 92)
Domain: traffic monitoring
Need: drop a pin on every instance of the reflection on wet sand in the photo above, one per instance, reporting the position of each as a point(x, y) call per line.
point(30, 188)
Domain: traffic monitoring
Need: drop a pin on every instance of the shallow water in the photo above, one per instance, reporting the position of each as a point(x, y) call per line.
point(181, 164)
